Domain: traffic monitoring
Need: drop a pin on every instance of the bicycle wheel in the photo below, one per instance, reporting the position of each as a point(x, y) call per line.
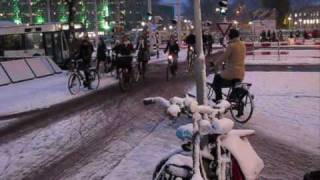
point(136, 73)
point(210, 92)
point(124, 80)
point(94, 79)
point(168, 74)
point(108, 66)
point(74, 84)
point(190, 62)
point(242, 108)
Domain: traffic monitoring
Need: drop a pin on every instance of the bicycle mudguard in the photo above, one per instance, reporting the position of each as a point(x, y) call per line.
point(250, 163)
point(185, 132)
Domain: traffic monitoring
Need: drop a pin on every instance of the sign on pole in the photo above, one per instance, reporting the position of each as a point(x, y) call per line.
point(224, 28)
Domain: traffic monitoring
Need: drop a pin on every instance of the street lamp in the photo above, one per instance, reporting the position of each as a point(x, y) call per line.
point(236, 23)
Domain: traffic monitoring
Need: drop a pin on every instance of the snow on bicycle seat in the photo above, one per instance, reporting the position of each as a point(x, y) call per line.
point(222, 126)
point(242, 132)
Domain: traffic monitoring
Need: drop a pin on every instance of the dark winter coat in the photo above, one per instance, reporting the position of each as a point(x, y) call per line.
point(173, 48)
point(85, 51)
point(143, 50)
point(191, 39)
point(101, 51)
point(123, 49)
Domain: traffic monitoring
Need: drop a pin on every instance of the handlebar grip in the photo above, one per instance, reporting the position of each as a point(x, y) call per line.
point(147, 102)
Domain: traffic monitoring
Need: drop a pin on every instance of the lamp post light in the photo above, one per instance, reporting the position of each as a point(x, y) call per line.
point(289, 19)
point(300, 22)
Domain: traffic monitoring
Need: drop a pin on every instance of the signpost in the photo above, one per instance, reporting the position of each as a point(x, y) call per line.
point(224, 28)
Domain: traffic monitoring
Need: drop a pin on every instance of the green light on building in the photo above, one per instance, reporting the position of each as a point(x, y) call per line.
point(40, 20)
point(16, 12)
point(17, 21)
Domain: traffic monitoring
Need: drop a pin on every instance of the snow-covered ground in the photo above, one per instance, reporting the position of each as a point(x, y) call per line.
point(44, 92)
point(287, 108)
point(295, 57)
point(40, 93)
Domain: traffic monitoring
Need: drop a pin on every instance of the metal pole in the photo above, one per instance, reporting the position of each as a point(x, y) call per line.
point(96, 21)
point(178, 6)
point(149, 6)
point(30, 11)
point(200, 67)
point(149, 26)
point(49, 10)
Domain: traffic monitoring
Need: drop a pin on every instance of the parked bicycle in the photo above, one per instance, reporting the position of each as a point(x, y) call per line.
point(213, 150)
point(77, 78)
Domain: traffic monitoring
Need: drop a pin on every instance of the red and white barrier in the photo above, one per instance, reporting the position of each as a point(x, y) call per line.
point(258, 53)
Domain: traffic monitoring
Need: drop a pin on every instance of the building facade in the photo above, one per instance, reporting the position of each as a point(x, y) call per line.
point(305, 18)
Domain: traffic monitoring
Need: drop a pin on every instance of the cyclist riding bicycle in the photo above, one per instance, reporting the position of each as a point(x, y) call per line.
point(123, 53)
point(173, 49)
point(143, 48)
point(84, 53)
point(191, 42)
point(232, 60)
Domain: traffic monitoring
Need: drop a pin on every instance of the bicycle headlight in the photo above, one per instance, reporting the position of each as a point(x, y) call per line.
point(170, 57)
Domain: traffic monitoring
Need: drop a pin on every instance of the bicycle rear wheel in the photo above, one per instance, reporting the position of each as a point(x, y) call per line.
point(74, 84)
point(169, 73)
point(124, 80)
point(136, 73)
point(94, 79)
point(108, 66)
point(242, 108)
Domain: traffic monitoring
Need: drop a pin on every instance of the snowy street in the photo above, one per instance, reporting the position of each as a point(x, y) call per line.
point(111, 135)
point(160, 90)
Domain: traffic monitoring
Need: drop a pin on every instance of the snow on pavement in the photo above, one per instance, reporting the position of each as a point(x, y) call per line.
point(142, 160)
point(287, 106)
point(43, 147)
point(39, 93)
point(285, 110)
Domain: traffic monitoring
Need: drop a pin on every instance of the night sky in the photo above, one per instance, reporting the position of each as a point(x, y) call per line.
point(294, 3)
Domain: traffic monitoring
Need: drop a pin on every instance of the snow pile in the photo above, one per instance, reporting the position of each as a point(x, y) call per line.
point(174, 110)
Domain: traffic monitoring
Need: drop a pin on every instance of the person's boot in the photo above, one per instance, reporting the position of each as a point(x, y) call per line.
point(240, 110)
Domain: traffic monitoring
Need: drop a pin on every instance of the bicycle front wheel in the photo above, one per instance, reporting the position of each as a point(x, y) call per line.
point(74, 84)
point(124, 80)
point(169, 73)
point(94, 79)
point(242, 109)
point(136, 73)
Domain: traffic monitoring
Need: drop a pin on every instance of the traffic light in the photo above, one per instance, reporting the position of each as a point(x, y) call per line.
point(223, 6)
